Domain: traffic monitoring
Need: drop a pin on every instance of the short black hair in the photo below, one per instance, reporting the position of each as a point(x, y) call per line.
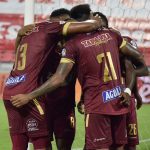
point(60, 12)
point(80, 12)
point(103, 17)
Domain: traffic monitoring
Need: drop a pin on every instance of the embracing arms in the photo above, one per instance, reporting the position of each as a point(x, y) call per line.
point(51, 84)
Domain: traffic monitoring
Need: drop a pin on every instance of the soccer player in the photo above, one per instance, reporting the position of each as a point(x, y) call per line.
point(60, 104)
point(29, 121)
point(96, 55)
point(132, 127)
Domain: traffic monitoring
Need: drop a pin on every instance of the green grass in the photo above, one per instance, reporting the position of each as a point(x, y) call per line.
point(144, 130)
point(144, 127)
point(5, 143)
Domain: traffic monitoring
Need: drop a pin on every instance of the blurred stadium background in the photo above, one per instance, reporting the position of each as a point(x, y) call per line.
point(131, 17)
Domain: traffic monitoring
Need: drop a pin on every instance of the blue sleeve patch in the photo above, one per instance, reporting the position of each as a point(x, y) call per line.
point(15, 80)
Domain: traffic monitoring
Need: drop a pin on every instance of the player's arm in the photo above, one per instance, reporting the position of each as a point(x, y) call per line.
point(57, 80)
point(135, 56)
point(130, 75)
point(131, 81)
point(138, 70)
point(137, 59)
point(149, 70)
point(81, 27)
point(137, 95)
point(51, 84)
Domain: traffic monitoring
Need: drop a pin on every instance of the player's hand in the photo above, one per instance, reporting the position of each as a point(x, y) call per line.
point(97, 19)
point(26, 30)
point(20, 100)
point(125, 99)
point(139, 100)
point(80, 107)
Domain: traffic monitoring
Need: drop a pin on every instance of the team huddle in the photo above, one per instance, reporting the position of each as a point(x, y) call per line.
point(39, 94)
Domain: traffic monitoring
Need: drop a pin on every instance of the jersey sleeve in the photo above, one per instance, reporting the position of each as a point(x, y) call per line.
point(120, 40)
point(65, 28)
point(134, 44)
point(69, 53)
point(131, 41)
point(60, 27)
point(55, 27)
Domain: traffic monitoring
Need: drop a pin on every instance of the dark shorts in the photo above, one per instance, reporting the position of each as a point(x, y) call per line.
point(132, 126)
point(29, 119)
point(104, 130)
point(61, 122)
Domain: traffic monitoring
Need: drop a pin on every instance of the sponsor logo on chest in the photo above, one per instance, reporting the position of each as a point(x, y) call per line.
point(15, 80)
point(110, 95)
point(97, 40)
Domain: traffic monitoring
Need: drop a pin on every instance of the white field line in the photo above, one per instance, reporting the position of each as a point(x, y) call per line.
point(145, 140)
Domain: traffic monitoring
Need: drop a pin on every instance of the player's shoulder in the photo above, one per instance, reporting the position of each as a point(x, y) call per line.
point(111, 31)
point(42, 22)
point(127, 38)
point(131, 41)
point(115, 30)
point(50, 23)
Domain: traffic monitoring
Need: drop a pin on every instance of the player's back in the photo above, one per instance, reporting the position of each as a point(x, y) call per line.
point(97, 56)
point(31, 56)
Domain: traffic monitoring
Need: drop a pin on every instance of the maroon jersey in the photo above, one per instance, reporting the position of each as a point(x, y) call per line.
point(30, 58)
point(64, 97)
point(97, 57)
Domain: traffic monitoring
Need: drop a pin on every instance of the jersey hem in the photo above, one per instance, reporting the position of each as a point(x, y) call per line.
point(107, 113)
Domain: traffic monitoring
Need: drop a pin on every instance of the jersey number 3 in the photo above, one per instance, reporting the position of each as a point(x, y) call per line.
point(20, 61)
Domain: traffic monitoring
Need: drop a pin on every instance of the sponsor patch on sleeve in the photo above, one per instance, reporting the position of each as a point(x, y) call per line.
point(63, 53)
point(133, 43)
point(110, 95)
point(15, 80)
